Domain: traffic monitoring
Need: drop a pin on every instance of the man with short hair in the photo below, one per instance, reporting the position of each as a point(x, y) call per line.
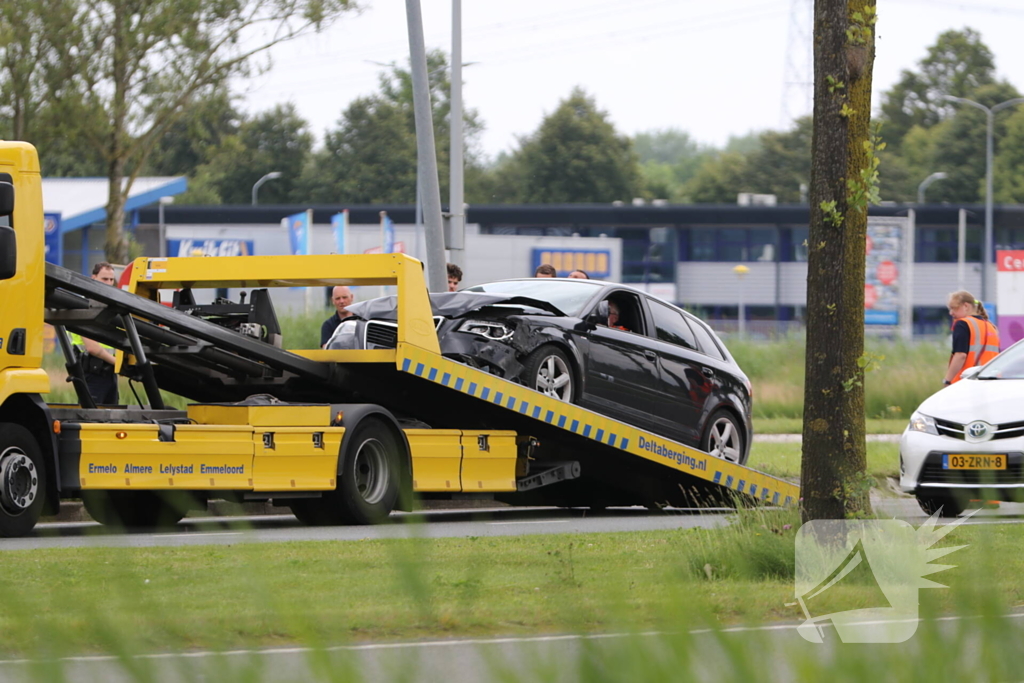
point(545, 270)
point(341, 297)
point(99, 360)
point(454, 277)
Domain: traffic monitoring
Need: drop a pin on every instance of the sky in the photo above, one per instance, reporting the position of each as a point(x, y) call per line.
point(713, 69)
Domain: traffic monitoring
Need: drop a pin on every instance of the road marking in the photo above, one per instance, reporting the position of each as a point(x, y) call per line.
point(368, 647)
point(542, 521)
point(199, 534)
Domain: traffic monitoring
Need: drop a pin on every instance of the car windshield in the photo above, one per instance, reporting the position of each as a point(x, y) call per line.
point(1007, 365)
point(569, 296)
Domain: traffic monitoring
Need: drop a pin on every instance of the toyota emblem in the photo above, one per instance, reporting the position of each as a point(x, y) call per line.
point(977, 431)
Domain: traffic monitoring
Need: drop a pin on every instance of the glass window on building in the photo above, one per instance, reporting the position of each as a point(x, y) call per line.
point(798, 244)
point(732, 244)
point(702, 244)
point(762, 244)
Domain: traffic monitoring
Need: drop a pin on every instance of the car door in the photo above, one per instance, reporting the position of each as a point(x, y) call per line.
point(621, 367)
point(685, 378)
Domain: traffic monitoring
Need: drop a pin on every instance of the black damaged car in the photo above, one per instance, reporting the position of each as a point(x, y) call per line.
point(607, 347)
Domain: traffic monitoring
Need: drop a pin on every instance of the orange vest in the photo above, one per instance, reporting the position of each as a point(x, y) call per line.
point(984, 344)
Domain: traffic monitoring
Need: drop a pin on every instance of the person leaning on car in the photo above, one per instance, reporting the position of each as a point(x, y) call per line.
point(975, 339)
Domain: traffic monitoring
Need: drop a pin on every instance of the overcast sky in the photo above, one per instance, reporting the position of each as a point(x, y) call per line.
point(713, 69)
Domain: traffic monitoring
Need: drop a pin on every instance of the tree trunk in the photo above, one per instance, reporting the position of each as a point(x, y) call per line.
point(833, 472)
point(116, 245)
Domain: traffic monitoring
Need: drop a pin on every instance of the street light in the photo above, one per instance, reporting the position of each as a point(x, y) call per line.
point(928, 181)
point(162, 228)
point(986, 257)
point(256, 187)
point(740, 271)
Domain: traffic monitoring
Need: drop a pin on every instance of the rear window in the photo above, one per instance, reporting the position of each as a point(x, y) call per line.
point(671, 327)
point(705, 340)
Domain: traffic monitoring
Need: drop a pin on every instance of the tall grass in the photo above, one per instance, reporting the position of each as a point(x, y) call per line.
point(902, 375)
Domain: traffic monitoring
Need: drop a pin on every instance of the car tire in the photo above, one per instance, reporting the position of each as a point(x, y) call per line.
point(22, 480)
point(549, 371)
point(944, 505)
point(723, 437)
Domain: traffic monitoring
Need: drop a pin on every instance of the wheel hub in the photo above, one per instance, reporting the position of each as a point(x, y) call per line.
point(371, 471)
point(19, 481)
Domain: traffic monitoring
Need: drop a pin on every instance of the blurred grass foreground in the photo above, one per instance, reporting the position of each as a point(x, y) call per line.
point(653, 605)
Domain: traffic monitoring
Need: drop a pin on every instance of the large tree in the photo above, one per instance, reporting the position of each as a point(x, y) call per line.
point(843, 182)
point(139, 66)
point(576, 155)
point(370, 155)
point(958, 64)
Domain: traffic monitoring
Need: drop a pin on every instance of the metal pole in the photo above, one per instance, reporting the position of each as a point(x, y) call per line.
point(161, 232)
point(437, 273)
point(986, 258)
point(456, 200)
point(961, 253)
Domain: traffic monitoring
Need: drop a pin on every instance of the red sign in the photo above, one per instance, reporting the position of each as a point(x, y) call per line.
point(1010, 261)
point(870, 296)
point(887, 272)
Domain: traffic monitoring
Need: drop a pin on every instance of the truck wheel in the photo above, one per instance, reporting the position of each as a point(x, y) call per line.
point(369, 484)
point(549, 371)
point(22, 480)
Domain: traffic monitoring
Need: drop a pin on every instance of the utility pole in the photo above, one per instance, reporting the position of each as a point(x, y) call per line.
point(426, 170)
point(456, 195)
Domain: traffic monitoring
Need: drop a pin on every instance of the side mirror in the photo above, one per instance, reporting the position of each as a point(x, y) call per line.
point(6, 194)
point(971, 372)
point(8, 253)
point(599, 316)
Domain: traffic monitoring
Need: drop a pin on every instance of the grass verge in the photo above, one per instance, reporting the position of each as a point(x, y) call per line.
point(123, 600)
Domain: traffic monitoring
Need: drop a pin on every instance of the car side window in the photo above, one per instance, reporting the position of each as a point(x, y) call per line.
point(706, 341)
point(671, 327)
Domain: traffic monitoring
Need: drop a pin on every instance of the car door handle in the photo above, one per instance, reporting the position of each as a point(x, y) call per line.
point(707, 372)
point(651, 355)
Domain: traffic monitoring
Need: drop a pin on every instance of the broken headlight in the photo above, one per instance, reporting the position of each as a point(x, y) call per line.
point(487, 328)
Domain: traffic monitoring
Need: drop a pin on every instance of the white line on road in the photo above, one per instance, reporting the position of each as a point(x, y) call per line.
point(470, 641)
point(542, 521)
point(199, 534)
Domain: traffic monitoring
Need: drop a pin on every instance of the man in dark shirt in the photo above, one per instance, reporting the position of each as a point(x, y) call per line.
point(341, 297)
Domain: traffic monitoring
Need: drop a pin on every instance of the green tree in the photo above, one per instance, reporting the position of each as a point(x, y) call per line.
point(782, 164)
point(719, 179)
point(576, 155)
point(1008, 179)
point(139, 66)
point(196, 137)
point(958, 64)
point(843, 182)
point(669, 158)
point(370, 156)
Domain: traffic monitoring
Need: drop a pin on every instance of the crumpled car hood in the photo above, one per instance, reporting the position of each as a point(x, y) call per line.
point(447, 304)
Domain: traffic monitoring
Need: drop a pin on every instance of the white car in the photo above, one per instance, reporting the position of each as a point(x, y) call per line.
point(966, 442)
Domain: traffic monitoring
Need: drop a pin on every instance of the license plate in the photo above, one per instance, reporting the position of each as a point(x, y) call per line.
point(955, 461)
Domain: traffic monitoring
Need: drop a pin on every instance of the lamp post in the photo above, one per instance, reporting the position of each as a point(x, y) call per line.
point(740, 271)
point(986, 257)
point(256, 186)
point(928, 181)
point(162, 227)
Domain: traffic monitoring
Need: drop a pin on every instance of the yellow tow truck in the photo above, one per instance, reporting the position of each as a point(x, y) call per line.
point(337, 436)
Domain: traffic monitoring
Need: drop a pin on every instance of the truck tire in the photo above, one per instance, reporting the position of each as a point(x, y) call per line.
point(141, 510)
point(369, 483)
point(22, 480)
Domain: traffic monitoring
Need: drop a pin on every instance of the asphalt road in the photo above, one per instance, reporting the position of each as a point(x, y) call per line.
point(432, 524)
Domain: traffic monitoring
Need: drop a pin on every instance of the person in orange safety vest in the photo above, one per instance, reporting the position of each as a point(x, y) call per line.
point(975, 339)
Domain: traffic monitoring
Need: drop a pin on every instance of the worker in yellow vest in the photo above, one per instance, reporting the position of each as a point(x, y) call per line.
point(99, 361)
point(975, 339)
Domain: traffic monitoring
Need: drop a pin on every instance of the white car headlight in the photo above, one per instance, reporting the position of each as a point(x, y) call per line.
point(922, 423)
point(345, 336)
point(487, 328)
